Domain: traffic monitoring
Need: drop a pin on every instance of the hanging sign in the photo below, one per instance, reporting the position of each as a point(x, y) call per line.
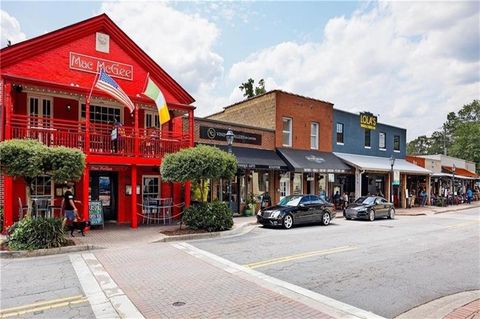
point(368, 120)
point(396, 178)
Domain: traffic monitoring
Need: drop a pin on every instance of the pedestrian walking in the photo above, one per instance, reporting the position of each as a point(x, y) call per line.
point(345, 200)
point(469, 195)
point(423, 195)
point(68, 205)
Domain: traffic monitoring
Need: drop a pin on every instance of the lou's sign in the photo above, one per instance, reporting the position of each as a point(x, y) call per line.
point(86, 63)
point(368, 121)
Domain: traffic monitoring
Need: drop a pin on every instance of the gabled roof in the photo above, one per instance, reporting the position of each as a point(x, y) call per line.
point(26, 49)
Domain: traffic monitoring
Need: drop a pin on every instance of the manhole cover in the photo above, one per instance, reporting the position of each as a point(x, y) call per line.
point(178, 303)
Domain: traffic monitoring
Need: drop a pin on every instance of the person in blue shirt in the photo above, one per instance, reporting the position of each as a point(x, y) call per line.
point(469, 195)
point(423, 194)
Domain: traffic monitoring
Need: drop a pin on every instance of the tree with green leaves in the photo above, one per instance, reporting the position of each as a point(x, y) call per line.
point(29, 159)
point(250, 90)
point(460, 136)
point(198, 164)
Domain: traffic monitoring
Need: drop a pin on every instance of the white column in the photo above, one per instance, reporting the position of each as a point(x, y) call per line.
point(358, 183)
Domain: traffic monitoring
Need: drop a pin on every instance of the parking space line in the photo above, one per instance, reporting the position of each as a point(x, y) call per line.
point(278, 260)
point(41, 306)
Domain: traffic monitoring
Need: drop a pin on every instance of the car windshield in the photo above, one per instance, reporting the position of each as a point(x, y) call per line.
point(290, 201)
point(365, 200)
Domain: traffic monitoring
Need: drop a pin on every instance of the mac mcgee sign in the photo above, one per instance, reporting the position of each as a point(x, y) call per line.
point(86, 63)
point(368, 121)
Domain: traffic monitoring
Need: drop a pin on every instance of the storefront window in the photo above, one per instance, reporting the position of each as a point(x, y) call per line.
point(151, 187)
point(151, 120)
point(285, 185)
point(42, 186)
point(297, 183)
point(259, 183)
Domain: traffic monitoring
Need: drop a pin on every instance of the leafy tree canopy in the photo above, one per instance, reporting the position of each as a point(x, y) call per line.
point(250, 90)
point(460, 135)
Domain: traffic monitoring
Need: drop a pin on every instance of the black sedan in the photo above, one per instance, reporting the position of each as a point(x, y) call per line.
point(370, 207)
point(295, 210)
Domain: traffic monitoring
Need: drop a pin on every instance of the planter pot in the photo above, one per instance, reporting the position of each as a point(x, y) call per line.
point(248, 212)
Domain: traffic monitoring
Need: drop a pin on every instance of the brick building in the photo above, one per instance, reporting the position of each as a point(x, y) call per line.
point(259, 166)
point(302, 129)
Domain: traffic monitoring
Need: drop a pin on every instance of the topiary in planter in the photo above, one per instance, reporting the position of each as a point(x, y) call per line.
point(36, 233)
point(214, 216)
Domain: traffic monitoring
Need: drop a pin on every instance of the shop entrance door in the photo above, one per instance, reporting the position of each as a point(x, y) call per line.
point(103, 187)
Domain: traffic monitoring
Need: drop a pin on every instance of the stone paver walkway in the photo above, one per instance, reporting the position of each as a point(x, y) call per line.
point(164, 282)
point(468, 311)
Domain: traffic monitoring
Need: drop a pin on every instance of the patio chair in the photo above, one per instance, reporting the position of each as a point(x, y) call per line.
point(41, 207)
point(22, 209)
point(150, 211)
point(167, 210)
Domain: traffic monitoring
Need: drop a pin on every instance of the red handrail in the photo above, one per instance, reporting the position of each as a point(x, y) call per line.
point(154, 143)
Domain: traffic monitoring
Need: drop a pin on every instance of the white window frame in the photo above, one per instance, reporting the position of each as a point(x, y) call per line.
point(113, 106)
point(314, 137)
point(155, 118)
point(159, 185)
point(289, 132)
point(34, 189)
point(343, 133)
point(380, 134)
point(285, 185)
point(40, 98)
point(300, 176)
point(399, 144)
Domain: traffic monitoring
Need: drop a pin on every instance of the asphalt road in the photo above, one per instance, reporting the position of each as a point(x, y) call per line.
point(385, 266)
point(46, 287)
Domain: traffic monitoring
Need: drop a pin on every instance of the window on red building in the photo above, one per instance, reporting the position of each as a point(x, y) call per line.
point(314, 136)
point(287, 132)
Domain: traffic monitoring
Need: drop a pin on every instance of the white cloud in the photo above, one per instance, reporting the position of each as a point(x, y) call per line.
point(182, 44)
point(10, 29)
point(412, 63)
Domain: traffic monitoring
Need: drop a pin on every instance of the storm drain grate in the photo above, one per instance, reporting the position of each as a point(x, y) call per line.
point(178, 303)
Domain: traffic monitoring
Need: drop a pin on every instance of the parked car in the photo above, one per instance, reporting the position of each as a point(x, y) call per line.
point(297, 209)
point(370, 208)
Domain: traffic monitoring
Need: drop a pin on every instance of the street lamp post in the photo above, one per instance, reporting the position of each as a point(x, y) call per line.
point(392, 162)
point(230, 137)
point(453, 179)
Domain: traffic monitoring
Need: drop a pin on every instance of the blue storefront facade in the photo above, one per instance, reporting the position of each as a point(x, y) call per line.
point(369, 146)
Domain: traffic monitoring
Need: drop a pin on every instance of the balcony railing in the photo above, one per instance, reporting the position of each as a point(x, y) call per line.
point(153, 143)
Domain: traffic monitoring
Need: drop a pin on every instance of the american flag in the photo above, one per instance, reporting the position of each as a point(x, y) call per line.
point(109, 86)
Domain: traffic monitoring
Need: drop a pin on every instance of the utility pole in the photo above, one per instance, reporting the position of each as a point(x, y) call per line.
point(444, 140)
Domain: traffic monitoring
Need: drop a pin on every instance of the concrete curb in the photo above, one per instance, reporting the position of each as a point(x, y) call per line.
point(454, 210)
point(324, 304)
point(46, 252)
point(441, 307)
point(234, 232)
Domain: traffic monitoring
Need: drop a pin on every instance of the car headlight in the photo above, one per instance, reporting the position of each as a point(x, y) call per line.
point(275, 214)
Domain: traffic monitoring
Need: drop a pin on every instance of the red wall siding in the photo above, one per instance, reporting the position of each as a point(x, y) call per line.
point(60, 110)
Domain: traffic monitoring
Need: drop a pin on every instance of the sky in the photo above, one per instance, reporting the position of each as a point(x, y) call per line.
point(408, 62)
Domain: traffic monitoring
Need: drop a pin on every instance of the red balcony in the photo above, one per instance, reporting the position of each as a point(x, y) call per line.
point(153, 143)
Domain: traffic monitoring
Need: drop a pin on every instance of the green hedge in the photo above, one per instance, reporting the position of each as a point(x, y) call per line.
point(36, 233)
point(214, 216)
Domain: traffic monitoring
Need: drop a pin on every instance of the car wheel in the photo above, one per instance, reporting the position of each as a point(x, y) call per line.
point(326, 219)
point(391, 213)
point(288, 221)
point(348, 218)
point(371, 215)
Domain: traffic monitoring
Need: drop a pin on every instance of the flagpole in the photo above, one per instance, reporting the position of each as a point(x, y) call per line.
point(93, 84)
point(146, 82)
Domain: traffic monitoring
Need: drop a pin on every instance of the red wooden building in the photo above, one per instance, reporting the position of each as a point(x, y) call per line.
point(45, 83)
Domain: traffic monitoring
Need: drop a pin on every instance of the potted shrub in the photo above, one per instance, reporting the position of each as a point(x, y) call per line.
point(250, 206)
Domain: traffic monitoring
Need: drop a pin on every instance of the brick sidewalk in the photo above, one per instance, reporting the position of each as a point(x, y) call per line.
point(156, 276)
point(468, 311)
point(432, 210)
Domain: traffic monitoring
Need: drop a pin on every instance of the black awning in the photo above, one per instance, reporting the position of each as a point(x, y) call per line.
point(255, 158)
point(313, 161)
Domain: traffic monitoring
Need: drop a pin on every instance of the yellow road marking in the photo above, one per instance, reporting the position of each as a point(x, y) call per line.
point(463, 224)
point(278, 260)
point(42, 305)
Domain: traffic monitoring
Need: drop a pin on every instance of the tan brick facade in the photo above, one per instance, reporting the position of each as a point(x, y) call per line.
point(268, 110)
point(258, 111)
